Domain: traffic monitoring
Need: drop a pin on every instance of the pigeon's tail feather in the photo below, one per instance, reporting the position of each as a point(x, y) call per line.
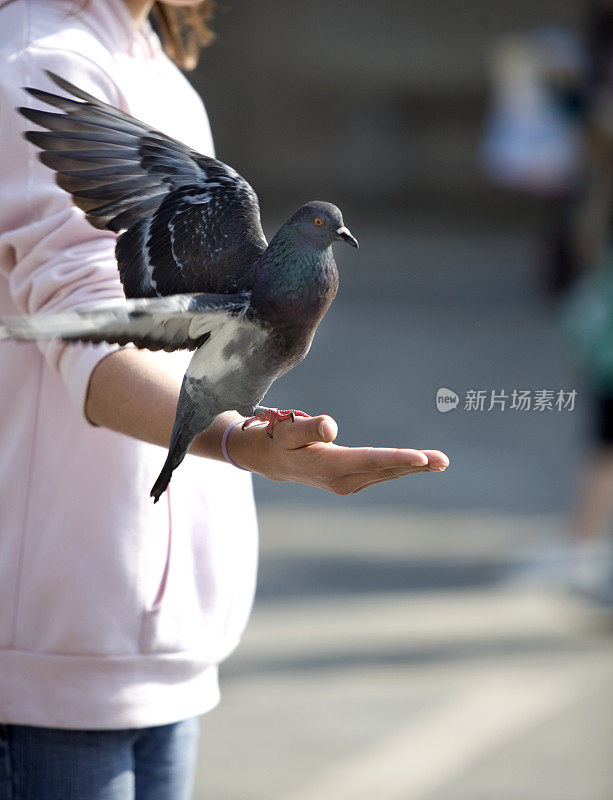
point(190, 421)
point(161, 484)
point(182, 437)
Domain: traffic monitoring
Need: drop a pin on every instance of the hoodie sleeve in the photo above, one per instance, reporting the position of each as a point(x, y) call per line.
point(50, 257)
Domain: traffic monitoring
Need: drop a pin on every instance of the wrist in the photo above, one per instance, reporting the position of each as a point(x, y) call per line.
point(251, 450)
point(208, 443)
point(241, 446)
point(224, 442)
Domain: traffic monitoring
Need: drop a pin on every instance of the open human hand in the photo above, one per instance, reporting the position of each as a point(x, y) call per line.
point(303, 451)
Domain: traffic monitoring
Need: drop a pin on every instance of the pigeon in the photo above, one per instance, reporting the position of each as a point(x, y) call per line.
point(196, 269)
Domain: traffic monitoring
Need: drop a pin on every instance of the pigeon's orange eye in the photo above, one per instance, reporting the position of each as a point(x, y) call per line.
point(318, 221)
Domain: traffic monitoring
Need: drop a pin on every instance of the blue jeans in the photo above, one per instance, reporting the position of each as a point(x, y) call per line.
point(137, 764)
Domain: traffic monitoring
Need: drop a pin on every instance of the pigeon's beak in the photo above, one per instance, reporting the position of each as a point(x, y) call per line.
point(345, 234)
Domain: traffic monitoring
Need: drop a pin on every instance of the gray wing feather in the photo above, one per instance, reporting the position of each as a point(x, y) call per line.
point(177, 322)
point(191, 222)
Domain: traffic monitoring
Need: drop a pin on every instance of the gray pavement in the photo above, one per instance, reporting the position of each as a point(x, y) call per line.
point(457, 681)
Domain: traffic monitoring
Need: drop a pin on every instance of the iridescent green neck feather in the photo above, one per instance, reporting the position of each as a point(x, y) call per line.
point(295, 282)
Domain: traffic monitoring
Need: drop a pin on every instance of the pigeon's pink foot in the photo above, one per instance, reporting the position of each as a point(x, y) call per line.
point(273, 415)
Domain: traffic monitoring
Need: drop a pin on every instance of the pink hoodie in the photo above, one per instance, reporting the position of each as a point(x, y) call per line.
point(114, 612)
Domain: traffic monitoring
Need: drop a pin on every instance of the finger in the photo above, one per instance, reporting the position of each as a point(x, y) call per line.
point(372, 459)
point(305, 430)
point(389, 477)
point(437, 459)
point(350, 484)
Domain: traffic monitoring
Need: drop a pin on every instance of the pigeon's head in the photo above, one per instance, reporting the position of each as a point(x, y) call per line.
point(320, 224)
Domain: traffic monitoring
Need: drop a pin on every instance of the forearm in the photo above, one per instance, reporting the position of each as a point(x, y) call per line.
point(130, 394)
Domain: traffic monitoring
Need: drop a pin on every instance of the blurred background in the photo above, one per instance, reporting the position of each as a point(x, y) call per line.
point(446, 635)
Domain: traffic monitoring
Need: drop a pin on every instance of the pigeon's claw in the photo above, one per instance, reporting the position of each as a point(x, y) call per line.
point(273, 415)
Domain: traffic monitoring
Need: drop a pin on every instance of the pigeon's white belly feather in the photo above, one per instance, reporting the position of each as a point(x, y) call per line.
point(213, 360)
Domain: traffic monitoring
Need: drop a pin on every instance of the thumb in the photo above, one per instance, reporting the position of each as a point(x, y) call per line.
point(305, 430)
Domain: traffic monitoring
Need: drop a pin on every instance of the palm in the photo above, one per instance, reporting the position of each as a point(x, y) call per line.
point(304, 451)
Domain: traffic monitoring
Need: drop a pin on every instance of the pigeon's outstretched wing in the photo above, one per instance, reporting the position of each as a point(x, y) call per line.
point(192, 224)
point(180, 322)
